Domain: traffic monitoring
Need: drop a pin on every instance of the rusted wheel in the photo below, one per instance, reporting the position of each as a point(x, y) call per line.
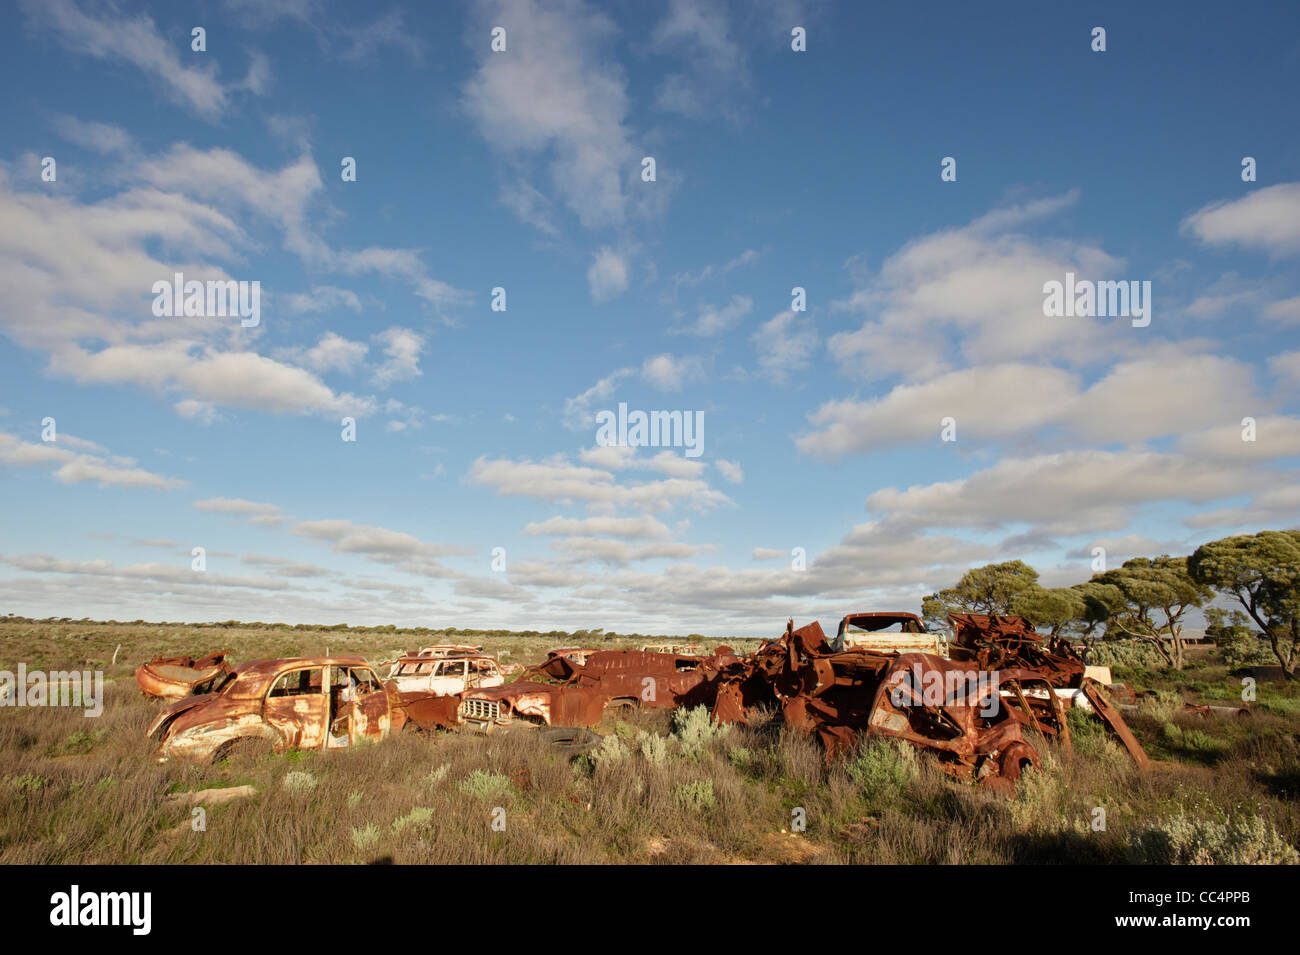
point(618, 708)
point(244, 751)
point(1015, 759)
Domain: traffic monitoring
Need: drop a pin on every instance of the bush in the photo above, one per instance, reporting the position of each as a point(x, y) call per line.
point(696, 796)
point(654, 748)
point(298, 783)
point(486, 785)
point(366, 837)
point(1181, 840)
point(610, 752)
point(416, 817)
point(696, 729)
point(884, 769)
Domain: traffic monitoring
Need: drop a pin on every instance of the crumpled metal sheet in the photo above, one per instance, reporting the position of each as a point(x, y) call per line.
point(173, 678)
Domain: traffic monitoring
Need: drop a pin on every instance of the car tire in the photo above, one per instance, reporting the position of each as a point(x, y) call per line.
point(570, 740)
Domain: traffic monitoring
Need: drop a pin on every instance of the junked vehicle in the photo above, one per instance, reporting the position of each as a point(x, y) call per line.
point(172, 678)
point(565, 692)
point(308, 703)
point(887, 632)
point(688, 649)
point(445, 676)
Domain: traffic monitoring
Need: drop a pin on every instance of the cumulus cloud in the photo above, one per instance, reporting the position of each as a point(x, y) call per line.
point(1265, 219)
point(669, 373)
point(558, 94)
point(785, 345)
point(608, 276)
point(402, 348)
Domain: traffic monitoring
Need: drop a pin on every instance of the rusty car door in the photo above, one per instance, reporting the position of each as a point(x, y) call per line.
point(296, 706)
point(371, 718)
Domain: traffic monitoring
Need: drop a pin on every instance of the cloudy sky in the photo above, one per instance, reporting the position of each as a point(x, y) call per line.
point(476, 491)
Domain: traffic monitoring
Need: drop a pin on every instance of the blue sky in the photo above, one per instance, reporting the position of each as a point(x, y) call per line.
point(522, 169)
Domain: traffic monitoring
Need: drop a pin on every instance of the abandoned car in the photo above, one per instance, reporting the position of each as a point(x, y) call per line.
point(278, 705)
point(447, 675)
point(565, 692)
point(888, 632)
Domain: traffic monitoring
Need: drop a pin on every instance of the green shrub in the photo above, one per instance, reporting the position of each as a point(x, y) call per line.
point(1182, 840)
point(486, 785)
point(366, 837)
point(696, 796)
point(654, 748)
point(416, 817)
point(696, 729)
point(884, 769)
point(298, 783)
point(610, 752)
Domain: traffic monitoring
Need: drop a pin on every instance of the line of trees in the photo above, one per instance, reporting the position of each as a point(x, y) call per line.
point(1148, 598)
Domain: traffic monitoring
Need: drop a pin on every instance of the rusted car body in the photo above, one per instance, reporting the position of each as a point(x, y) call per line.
point(562, 691)
point(577, 654)
point(302, 703)
point(688, 649)
point(446, 675)
point(887, 632)
point(173, 678)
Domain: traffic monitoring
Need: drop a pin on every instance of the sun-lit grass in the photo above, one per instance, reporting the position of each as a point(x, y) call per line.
point(661, 790)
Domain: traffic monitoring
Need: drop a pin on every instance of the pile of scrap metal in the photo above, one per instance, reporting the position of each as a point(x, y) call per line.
point(974, 719)
point(174, 678)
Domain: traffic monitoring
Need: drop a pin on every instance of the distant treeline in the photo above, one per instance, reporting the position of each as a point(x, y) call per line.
point(575, 636)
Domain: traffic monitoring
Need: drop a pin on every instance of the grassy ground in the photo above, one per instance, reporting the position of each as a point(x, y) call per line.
point(74, 789)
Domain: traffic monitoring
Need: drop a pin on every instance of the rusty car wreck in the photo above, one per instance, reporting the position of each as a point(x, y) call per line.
point(173, 678)
point(567, 691)
point(973, 719)
point(307, 703)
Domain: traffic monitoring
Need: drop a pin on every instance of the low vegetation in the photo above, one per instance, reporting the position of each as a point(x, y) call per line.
point(661, 788)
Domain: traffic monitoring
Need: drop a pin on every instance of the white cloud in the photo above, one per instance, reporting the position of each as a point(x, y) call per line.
point(669, 373)
point(323, 298)
point(136, 40)
point(642, 527)
point(730, 470)
point(255, 511)
point(402, 348)
point(714, 320)
point(975, 294)
point(578, 412)
point(1286, 366)
point(1074, 492)
point(1286, 311)
point(1267, 219)
point(1168, 392)
point(560, 95)
point(785, 345)
point(559, 480)
point(74, 467)
point(607, 277)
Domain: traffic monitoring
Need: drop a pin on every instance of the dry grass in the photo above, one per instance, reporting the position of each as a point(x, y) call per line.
point(74, 789)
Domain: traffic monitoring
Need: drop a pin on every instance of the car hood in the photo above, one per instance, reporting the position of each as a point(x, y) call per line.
point(182, 705)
